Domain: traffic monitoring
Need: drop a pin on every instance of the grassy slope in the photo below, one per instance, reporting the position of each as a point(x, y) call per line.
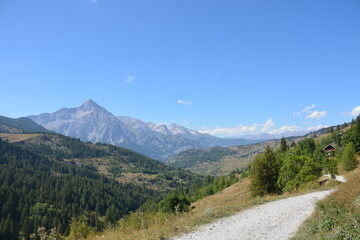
point(337, 216)
point(13, 138)
point(164, 226)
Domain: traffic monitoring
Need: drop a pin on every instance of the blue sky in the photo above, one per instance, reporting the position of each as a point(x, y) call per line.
point(224, 67)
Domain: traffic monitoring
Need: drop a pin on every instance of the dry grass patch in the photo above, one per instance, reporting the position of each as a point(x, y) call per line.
point(12, 138)
point(163, 226)
point(338, 215)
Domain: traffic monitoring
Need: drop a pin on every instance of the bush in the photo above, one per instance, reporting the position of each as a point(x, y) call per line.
point(349, 157)
point(175, 203)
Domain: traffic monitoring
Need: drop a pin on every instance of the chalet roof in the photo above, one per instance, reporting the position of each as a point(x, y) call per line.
point(330, 147)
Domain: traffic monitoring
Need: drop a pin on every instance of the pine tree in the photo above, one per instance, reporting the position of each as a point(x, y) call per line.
point(349, 157)
point(357, 125)
point(283, 145)
point(264, 174)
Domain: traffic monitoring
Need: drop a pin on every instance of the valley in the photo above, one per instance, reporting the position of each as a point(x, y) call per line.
point(53, 180)
point(220, 161)
point(159, 120)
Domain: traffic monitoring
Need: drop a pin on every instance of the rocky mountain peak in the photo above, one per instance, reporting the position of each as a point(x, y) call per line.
point(91, 105)
point(177, 129)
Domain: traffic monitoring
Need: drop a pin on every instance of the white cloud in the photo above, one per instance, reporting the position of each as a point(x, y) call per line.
point(267, 125)
point(130, 79)
point(315, 128)
point(305, 110)
point(255, 128)
point(234, 131)
point(355, 112)
point(308, 108)
point(283, 129)
point(317, 115)
point(184, 102)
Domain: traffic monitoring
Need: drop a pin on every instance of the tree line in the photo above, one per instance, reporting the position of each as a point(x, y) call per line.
point(289, 168)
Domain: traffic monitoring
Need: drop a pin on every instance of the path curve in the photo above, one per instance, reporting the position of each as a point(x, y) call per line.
point(337, 178)
point(274, 220)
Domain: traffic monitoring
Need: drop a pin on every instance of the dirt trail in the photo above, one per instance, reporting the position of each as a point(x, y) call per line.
point(274, 220)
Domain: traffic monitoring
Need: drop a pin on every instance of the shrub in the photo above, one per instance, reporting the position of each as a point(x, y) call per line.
point(175, 203)
point(349, 157)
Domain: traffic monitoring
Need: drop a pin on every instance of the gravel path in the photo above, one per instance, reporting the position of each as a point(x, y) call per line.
point(337, 178)
point(274, 220)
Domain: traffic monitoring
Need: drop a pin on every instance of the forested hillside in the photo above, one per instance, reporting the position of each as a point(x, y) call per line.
point(51, 181)
point(36, 191)
point(114, 162)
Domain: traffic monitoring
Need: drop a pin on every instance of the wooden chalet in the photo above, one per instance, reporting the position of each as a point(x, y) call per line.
point(330, 148)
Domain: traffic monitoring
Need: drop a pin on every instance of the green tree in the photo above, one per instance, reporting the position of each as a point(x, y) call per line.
point(319, 155)
point(352, 136)
point(264, 174)
point(79, 228)
point(283, 145)
point(290, 168)
point(332, 168)
point(357, 125)
point(297, 170)
point(307, 146)
point(349, 157)
point(175, 203)
point(310, 171)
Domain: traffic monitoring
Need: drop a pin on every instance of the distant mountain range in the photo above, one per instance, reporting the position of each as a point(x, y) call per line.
point(268, 136)
point(91, 122)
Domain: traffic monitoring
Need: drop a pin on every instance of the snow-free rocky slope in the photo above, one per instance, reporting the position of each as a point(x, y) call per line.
point(91, 122)
point(278, 220)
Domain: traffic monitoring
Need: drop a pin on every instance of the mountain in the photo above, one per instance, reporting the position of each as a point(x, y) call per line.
point(19, 125)
point(91, 122)
point(267, 136)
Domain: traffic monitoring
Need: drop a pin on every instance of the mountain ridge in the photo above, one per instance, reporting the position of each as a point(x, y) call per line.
point(91, 122)
point(19, 125)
